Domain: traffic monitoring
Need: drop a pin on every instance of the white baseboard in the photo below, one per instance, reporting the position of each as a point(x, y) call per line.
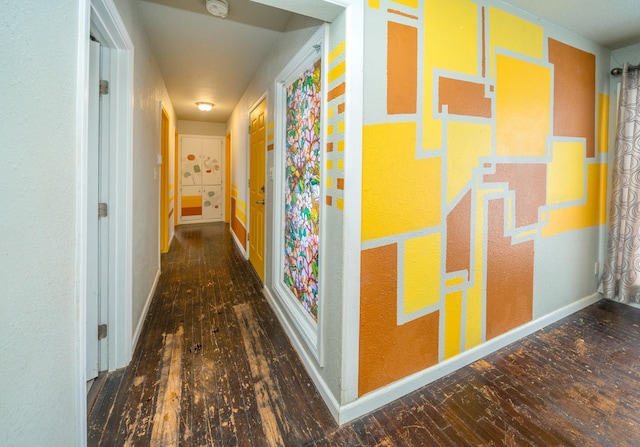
point(402, 387)
point(378, 398)
point(145, 309)
point(307, 359)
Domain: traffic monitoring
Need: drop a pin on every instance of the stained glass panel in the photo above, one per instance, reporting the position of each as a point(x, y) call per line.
point(302, 190)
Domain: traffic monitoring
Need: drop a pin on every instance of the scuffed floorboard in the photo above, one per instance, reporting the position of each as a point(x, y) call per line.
point(267, 390)
point(214, 368)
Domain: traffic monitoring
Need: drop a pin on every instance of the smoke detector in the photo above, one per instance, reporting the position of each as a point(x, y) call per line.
point(218, 8)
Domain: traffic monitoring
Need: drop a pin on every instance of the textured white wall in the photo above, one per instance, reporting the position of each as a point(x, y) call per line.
point(148, 93)
point(38, 50)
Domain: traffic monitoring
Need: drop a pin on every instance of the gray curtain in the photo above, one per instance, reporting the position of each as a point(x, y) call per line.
point(621, 274)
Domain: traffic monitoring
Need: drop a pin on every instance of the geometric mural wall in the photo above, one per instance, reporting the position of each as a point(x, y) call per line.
point(482, 141)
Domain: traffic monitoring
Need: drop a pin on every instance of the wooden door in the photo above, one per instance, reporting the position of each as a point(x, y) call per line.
point(257, 187)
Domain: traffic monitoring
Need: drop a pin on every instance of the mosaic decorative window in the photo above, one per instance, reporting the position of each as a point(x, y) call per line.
point(302, 190)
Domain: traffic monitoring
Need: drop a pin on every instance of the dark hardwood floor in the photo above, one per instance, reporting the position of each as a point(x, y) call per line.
point(214, 368)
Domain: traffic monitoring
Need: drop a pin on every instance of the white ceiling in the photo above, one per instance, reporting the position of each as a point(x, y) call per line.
point(204, 58)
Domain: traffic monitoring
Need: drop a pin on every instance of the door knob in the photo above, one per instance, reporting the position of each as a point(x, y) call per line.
point(260, 202)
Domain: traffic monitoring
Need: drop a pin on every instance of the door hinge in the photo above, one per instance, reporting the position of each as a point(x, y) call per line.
point(104, 87)
point(102, 331)
point(102, 209)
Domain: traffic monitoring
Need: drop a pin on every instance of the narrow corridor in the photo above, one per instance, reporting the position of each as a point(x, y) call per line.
point(213, 367)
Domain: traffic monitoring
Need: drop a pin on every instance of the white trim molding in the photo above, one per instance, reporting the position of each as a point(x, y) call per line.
point(309, 330)
point(402, 387)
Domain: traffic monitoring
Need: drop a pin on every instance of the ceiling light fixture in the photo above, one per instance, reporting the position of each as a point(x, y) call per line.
point(218, 8)
point(205, 106)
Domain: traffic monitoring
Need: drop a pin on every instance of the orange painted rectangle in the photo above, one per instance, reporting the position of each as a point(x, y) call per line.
point(192, 211)
point(402, 68)
point(574, 99)
point(270, 147)
point(335, 92)
point(403, 14)
point(236, 226)
point(329, 147)
point(341, 108)
point(463, 98)
point(340, 183)
point(329, 200)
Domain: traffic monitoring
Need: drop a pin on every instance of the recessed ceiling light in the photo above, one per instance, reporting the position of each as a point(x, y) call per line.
point(205, 106)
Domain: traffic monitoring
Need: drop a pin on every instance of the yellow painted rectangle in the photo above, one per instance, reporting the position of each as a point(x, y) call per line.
point(394, 182)
point(603, 122)
point(329, 182)
point(374, 4)
point(588, 215)
point(341, 126)
point(421, 272)
point(337, 51)
point(341, 164)
point(241, 205)
point(337, 71)
point(329, 164)
point(409, 3)
point(565, 172)
point(330, 129)
point(341, 146)
point(454, 281)
point(331, 111)
point(340, 203)
point(451, 42)
point(510, 32)
point(453, 320)
point(191, 201)
point(467, 143)
point(523, 107)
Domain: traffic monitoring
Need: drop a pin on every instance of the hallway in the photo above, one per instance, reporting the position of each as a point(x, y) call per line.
point(213, 367)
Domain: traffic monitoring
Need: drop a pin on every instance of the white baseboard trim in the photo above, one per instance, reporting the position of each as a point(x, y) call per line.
point(307, 359)
point(396, 390)
point(145, 309)
point(240, 247)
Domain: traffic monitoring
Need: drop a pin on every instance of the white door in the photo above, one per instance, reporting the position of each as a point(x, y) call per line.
point(93, 244)
point(97, 227)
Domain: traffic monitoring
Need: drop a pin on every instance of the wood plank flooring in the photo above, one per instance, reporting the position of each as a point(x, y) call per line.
point(214, 368)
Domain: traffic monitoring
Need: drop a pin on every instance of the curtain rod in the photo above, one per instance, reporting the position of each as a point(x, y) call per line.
point(618, 71)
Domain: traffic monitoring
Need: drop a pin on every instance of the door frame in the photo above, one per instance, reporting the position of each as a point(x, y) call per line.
point(101, 17)
point(165, 134)
point(178, 185)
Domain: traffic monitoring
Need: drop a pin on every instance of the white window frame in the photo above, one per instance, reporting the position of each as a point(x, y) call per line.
point(309, 330)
